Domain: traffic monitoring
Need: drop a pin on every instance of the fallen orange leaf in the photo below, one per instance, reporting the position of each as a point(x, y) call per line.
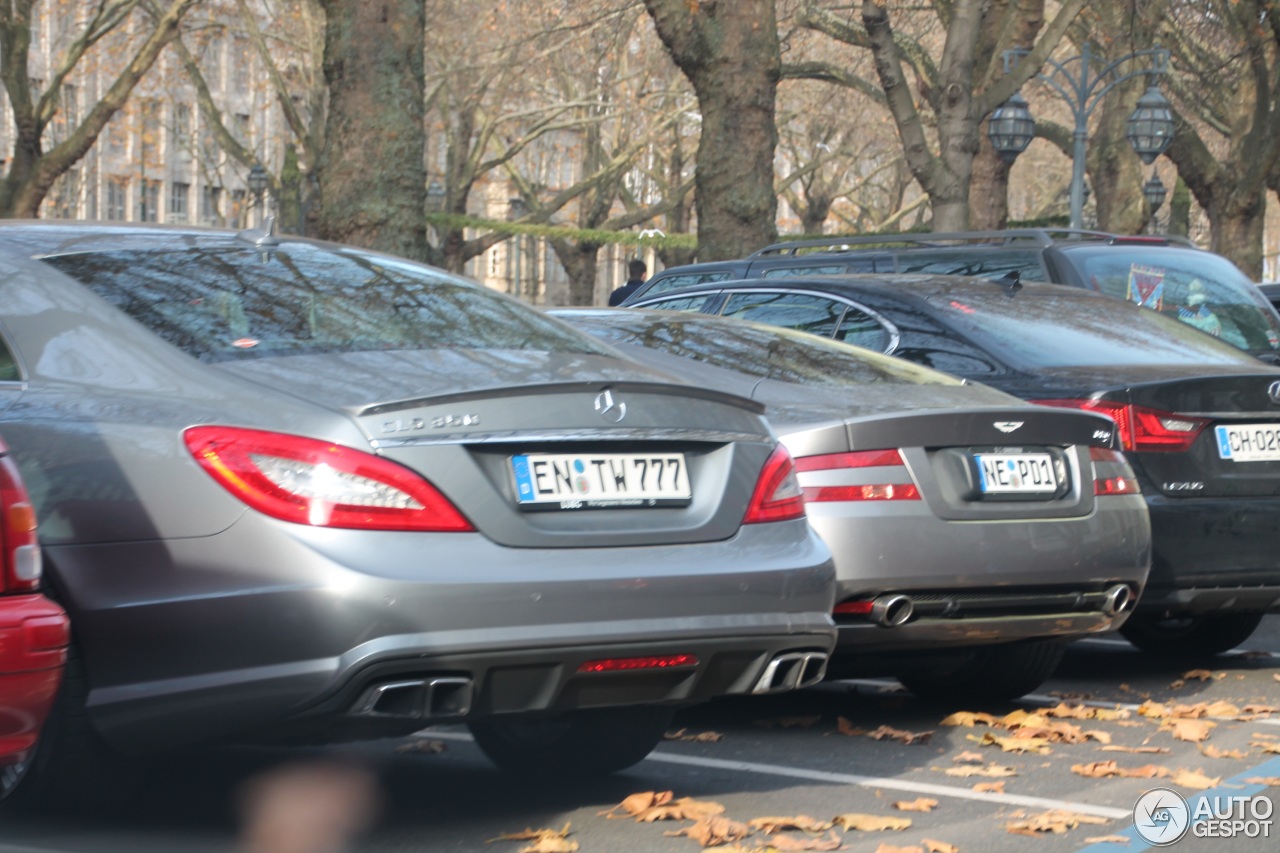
point(969, 758)
point(845, 727)
point(545, 840)
point(1055, 821)
point(789, 843)
point(422, 745)
point(885, 732)
point(1211, 751)
point(701, 737)
point(992, 770)
point(939, 846)
point(870, 823)
point(1107, 839)
point(778, 824)
point(989, 787)
point(968, 719)
point(919, 804)
point(713, 831)
point(1269, 781)
point(893, 848)
point(1193, 731)
point(1268, 747)
point(1195, 779)
point(1105, 769)
point(1040, 746)
point(1159, 750)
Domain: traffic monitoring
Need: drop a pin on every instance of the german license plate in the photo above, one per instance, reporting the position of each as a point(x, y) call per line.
point(1016, 473)
point(600, 480)
point(1249, 442)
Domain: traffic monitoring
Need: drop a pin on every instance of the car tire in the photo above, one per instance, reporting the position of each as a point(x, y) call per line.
point(578, 743)
point(1192, 635)
point(70, 768)
point(994, 674)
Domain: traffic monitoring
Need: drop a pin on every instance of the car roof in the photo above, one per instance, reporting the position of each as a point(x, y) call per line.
point(904, 286)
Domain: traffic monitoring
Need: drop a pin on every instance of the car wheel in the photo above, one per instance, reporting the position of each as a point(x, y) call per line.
point(70, 768)
point(1191, 635)
point(994, 674)
point(594, 742)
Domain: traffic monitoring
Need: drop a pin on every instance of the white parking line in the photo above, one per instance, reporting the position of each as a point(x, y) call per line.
point(854, 779)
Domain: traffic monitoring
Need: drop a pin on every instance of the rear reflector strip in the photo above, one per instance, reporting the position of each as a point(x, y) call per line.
point(632, 664)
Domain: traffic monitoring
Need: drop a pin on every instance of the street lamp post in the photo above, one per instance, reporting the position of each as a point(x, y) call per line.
point(1150, 127)
point(257, 185)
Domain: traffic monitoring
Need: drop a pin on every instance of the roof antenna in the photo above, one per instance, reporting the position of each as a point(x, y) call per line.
point(1011, 281)
point(263, 237)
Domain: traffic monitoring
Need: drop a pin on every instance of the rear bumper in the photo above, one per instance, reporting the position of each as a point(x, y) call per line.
point(33, 653)
point(270, 623)
point(1213, 555)
point(929, 633)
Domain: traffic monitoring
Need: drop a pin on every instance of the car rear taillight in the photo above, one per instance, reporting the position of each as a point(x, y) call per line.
point(1140, 428)
point(320, 484)
point(1122, 483)
point(20, 564)
point(859, 459)
point(639, 663)
point(777, 495)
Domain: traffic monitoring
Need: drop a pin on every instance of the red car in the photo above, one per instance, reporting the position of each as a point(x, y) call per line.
point(33, 632)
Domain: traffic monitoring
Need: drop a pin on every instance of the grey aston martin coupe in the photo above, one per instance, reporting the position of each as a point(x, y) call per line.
point(973, 533)
point(299, 492)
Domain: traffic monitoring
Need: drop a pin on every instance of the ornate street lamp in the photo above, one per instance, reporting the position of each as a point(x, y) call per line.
point(1011, 127)
point(1154, 192)
point(1150, 128)
point(257, 185)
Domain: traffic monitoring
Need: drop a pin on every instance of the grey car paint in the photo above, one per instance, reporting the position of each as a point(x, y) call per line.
point(200, 618)
point(951, 551)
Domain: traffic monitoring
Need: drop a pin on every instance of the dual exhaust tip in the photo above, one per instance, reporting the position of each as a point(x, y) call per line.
point(893, 609)
point(791, 671)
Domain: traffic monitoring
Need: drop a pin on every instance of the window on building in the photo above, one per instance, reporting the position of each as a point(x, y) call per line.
point(180, 143)
point(117, 189)
point(213, 63)
point(241, 129)
point(241, 64)
point(179, 193)
point(238, 215)
point(149, 112)
point(211, 206)
point(148, 201)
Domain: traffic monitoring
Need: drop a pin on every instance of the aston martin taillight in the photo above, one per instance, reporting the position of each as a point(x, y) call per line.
point(1140, 428)
point(882, 491)
point(320, 484)
point(1118, 480)
point(20, 564)
point(777, 495)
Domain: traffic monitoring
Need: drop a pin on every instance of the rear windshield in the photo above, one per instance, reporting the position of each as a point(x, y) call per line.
point(981, 262)
point(232, 303)
point(763, 352)
point(1036, 328)
point(1201, 289)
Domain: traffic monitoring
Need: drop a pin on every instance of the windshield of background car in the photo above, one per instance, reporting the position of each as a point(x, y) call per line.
point(1039, 328)
point(766, 352)
point(228, 303)
point(1201, 289)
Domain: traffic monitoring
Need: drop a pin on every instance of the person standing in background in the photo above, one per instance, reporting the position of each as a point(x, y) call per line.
point(636, 270)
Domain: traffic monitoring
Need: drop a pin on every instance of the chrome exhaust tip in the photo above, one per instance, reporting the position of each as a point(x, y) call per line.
point(790, 671)
point(892, 610)
point(418, 698)
point(1118, 599)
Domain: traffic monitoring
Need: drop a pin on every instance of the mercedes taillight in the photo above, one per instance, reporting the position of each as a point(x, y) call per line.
point(317, 483)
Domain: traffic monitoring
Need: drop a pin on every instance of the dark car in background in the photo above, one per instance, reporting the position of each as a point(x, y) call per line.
point(1168, 274)
point(34, 633)
point(973, 533)
point(1199, 420)
point(294, 491)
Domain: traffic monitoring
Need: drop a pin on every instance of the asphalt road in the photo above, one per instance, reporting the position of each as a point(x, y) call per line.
point(810, 754)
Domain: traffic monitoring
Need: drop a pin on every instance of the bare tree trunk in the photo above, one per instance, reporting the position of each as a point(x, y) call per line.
point(989, 189)
point(729, 51)
point(1237, 222)
point(371, 172)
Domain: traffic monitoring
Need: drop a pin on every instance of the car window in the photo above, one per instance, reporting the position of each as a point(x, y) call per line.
point(768, 353)
point(8, 364)
point(803, 312)
point(862, 329)
point(1037, 328)
point(946, 353)
point(225, 303)
point(694, 303)
point(986, 263)
point(675, 282)
point(1201, 289)
point(824, 269)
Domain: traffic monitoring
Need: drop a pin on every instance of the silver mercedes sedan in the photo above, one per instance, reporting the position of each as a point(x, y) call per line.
point(299, 492)
point(973, 533)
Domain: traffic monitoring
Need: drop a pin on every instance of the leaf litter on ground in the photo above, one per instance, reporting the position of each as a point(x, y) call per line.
point(544, 840)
